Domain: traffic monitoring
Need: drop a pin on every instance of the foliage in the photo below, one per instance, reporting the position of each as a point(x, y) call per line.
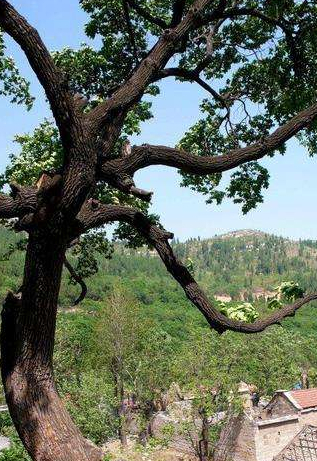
point(246, 185)
point(245, 312)
point(16, 450)
point(133, 347)
point(286, 292)
point(92, 405)
point(12, 83)
point(244, 56)
point(252, 97)
point(86, 251)
point(264, 73)
point(39, 151)
point(290, 290)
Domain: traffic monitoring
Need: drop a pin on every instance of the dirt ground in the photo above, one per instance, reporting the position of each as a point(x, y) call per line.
point(135, 453)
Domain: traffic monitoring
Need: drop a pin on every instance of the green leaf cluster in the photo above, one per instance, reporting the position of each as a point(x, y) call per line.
point(243, 312)
point(13, 84)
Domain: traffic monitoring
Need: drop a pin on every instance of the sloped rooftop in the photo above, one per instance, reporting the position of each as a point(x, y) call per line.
point(306, 398)
point(302, 448)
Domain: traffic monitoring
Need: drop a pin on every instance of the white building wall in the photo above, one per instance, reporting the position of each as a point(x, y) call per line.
point(271, 439)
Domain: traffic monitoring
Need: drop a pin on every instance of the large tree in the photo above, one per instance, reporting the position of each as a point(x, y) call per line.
point(256, 60)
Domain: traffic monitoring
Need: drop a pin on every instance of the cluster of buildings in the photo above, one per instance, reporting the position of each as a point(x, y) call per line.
point(284, 429)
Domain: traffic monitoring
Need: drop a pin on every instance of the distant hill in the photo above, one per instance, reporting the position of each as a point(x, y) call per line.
point(248, 261)
point(241, 233)
point(240, 265)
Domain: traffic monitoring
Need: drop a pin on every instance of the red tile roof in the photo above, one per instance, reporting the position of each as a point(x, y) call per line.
point(306, 398)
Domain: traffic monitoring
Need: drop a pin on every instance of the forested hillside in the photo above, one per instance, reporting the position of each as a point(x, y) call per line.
point(243, 265)
point(160, 338)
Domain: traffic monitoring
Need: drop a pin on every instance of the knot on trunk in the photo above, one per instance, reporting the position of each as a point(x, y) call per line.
point(48, 193)
point(49, 186)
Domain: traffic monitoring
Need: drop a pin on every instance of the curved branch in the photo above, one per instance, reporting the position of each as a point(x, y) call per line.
point(77, 279)
point(50, 77)
point(196, 295)
point(96, 214)
point(147, 155)
point(191, 76)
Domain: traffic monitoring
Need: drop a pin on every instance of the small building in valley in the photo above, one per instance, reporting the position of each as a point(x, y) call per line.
point(223, 297)
point(285, 429)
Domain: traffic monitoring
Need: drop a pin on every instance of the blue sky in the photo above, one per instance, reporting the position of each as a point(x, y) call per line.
point(289, 208)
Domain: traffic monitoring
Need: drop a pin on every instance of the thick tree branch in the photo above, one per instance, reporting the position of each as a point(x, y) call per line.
point(95, 214)
point(9, 208)
point(23, 200)
point(78, 280)
point(51, 78)
point(147, 155)
point(130, 92)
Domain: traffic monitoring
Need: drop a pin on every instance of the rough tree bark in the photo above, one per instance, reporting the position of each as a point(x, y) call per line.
point(203, 443)
point(28, 330)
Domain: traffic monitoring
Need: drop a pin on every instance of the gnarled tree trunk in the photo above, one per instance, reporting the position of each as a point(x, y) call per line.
point(27, 342)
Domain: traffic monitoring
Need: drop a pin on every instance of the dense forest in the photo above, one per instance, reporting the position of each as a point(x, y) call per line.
point(135, 334)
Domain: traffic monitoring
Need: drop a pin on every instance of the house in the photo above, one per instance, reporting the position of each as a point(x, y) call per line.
point(285, 429)
point(223, 297)
point(261, 293)
point(4, 443)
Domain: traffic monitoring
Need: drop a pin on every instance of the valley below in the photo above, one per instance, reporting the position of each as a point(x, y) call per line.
point(138, 367)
